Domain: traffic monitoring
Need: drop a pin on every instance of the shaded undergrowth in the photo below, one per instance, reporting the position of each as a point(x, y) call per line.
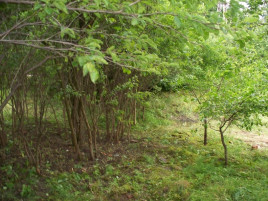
point(165, 160)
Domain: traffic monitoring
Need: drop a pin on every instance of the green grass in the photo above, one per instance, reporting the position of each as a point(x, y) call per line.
point(167, 161)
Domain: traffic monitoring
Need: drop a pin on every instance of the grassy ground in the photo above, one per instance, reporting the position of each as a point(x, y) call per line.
point(165, 160)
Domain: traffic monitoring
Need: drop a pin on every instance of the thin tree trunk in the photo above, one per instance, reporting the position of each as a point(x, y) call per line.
point(107, 121)
point(205, 131)
point(80, 124)
point(90, 140)
point(69, 117)
point(13, 119)
point(3, 136)
point(135, 112)
point(64, 119)
point(224, 146)
point(55, 115)
point(12, 92)
point(74, 139)
point(128, 132)
point(143, 113)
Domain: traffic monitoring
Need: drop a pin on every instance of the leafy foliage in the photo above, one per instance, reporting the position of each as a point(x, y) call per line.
point(92, 66)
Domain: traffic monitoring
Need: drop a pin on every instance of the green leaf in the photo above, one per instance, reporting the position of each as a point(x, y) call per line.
point(97, 3)
point(98, 59)
point(106, 3)
point(68, 31)
point(241, 43)
point(115, 57)
point(113, 54)
point(45, 1)
point(206, 35)
point(48, 10)
point(126, 70)
point(95, 45)
point(110, 49)
point(251, 19)
point(37, 6)
point(215, 18)
point(151, 43)
point(82, 60)
point(93, 72)
point(60, 5)
point(134, 22)
point(177, 21)
point(97, 15)
point(87, 67)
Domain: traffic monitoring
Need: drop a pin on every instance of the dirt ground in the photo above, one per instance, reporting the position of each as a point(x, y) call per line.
point(256, 140)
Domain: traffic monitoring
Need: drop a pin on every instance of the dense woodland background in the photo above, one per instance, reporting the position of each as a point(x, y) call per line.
point(91, 71)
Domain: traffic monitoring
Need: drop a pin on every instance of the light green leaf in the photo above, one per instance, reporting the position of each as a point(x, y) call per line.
point(113, 54)
point(49, 10)
point(98, 59)
point(93, 72)
point(68, 31)
point(134, 22)
point(151, 43)
point(97, 3)
point(37, 6)
point(106, 3)
point(98, 15)
point(206, 35)
point(251, 19)
point(114, 57)
point(87, 68)
point(110, 49)
point(126, 70)
point(95, 45)
point(61, 6)
point(177, 21)
point(45, 1)
point(82, 60)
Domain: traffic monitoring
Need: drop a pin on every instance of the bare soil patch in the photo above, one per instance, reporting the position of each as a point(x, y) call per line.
point(258, 141)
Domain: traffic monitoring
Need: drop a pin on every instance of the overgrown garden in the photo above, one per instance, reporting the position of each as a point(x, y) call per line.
point(88, 73)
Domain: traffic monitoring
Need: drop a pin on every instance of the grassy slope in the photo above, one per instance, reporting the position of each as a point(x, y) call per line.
point(165, 161)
